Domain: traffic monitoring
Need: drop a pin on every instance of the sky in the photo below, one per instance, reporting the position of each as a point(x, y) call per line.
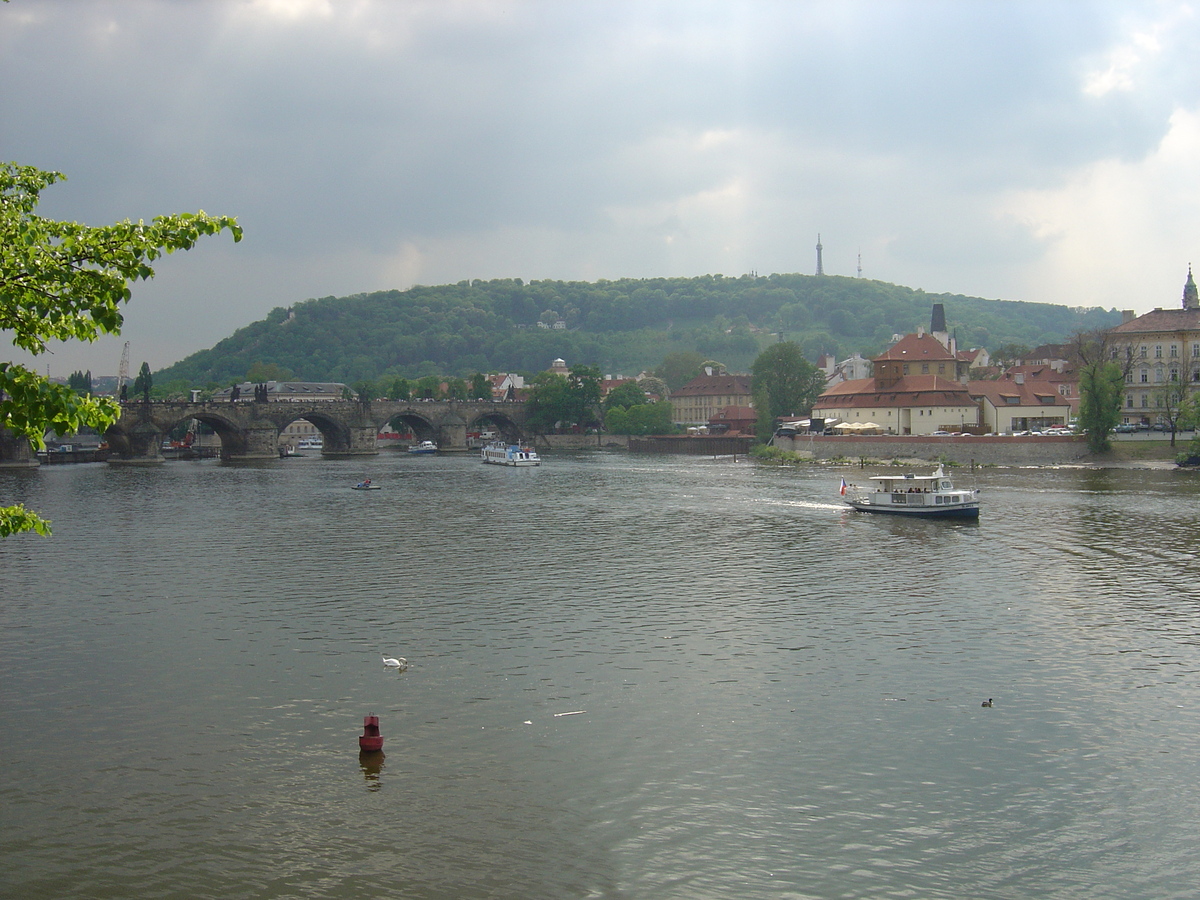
point(1042, 151)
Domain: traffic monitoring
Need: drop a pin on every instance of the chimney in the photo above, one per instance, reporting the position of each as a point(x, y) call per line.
point(1019, 377)
point(1127, 316)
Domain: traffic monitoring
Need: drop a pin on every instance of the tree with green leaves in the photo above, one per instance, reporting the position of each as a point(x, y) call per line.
point(677, 369)
point(398, 389)
point(428, 387)
point(481, 387)
point(65, 281)
point(143, 382)
point(548, 401)
point(784, 384)
point(625, 394)
point(1102, 372)
point(584, 383)
point(80, 382)
point(365, 390)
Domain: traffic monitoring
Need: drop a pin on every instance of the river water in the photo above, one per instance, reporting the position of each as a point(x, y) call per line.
point(631, 677)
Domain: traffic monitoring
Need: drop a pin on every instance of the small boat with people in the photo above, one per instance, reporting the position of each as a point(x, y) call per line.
point(502, 453)
point(423, 448)
point(931, 496)
point(365, 485)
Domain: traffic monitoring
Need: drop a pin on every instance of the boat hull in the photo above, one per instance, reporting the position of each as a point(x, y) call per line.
point(965, 511)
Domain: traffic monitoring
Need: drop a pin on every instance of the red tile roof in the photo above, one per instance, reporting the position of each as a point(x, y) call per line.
point(911, 390)
point(924, 347)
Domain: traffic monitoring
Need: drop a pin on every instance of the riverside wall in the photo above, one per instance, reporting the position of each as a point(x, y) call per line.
point(998, 450)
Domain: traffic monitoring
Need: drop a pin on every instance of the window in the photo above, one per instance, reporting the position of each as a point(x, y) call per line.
point(1158, 375)
point(1145, 376)
point(1158, 351)
point(1145, 403)
point(906, 368)
point(1195, 351)
point(1174, 374)
point(1174, 350)
point(1128, 379)
point(1143, 349)
point(1129, 401)
point(924, 368)
point(941, 368)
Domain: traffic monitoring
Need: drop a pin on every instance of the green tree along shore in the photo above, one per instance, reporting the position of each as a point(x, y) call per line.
point(67, 281)
point(625, 326)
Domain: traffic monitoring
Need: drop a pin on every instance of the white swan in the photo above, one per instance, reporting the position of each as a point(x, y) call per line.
point(393, 663)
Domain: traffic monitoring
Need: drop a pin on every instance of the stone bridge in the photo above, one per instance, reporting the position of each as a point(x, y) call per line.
point(250, 429)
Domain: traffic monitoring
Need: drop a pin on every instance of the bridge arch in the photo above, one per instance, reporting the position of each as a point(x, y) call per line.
point(251, 429)
point(335, 435)
point(422, 428)
point(496, 420)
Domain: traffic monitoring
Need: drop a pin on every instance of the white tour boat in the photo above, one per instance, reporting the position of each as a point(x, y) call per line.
point(500, 453)
point(914, 495)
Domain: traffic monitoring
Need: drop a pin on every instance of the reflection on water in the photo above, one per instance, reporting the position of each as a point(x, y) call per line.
point(632, 677)
point(371, 763)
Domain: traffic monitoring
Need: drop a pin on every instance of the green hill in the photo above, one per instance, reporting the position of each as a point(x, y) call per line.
point(621, 326)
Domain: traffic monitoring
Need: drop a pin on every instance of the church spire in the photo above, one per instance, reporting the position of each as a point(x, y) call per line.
point(1190, 299)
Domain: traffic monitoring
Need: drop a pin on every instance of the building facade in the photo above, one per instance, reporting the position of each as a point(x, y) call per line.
point(705, 396)
point(1160, 352)
point(918, 387)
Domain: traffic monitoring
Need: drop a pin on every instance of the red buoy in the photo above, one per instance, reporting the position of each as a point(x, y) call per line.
point(371, 739)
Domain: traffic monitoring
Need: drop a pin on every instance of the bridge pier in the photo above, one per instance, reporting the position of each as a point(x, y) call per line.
point(15, 451)
point(137, 445)
point(359, 441)
point(452, 435)
point(259, 441)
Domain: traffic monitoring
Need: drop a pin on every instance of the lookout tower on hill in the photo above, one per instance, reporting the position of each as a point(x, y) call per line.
point(820, 265)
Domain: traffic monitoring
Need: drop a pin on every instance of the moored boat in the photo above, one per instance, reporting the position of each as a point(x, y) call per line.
point(425, 447)
point(500, 453)
point(932, 496)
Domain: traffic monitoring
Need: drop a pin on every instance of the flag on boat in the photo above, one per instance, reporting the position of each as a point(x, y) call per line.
point(843, 487)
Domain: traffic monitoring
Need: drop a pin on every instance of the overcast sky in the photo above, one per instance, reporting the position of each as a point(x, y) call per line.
point(1042, 151)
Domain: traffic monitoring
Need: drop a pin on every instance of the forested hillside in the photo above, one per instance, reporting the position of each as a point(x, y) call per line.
point(620, 326)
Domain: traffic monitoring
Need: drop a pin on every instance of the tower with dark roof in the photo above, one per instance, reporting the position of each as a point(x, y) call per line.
point(1190, 300)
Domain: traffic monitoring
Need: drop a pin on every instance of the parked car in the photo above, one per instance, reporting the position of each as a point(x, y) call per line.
point(1125, 428)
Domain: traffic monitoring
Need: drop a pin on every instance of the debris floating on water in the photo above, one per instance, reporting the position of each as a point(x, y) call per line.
point(577, 712)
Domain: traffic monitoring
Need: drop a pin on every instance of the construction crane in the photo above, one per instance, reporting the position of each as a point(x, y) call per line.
point(123, 370)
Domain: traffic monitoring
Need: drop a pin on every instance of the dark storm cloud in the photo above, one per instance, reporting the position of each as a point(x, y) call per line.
point(366, 145)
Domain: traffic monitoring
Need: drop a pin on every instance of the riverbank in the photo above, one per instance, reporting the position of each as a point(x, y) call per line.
point(996, 450)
